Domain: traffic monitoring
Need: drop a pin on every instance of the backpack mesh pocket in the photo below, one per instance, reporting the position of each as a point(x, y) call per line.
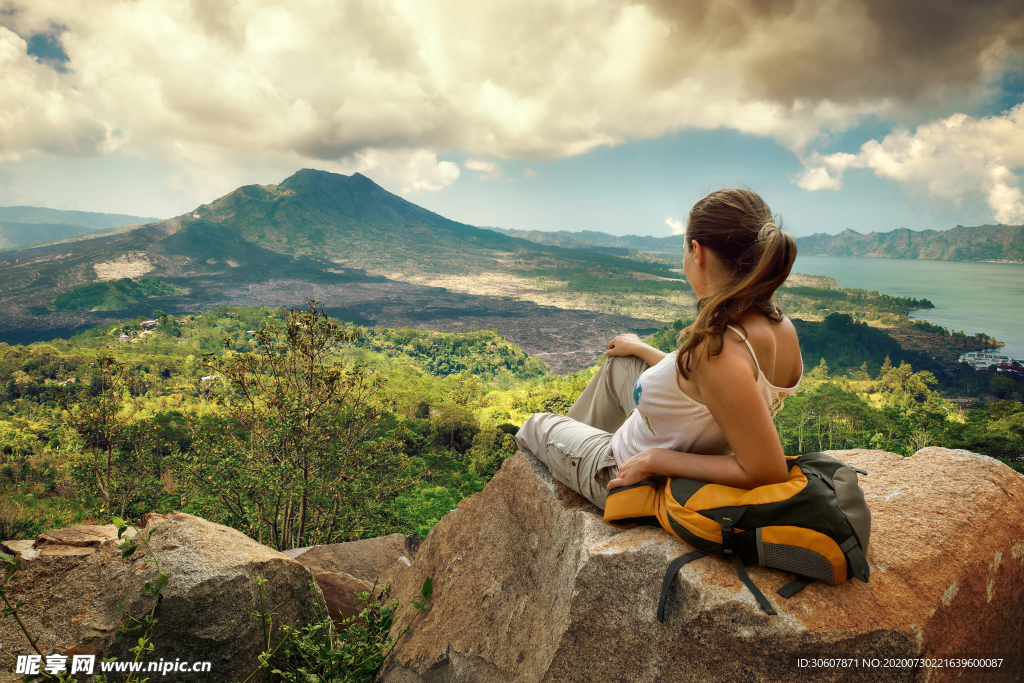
point(798, 560)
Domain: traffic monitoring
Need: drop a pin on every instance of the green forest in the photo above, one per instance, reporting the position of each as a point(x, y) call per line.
point(298, 429)
point(113, 295)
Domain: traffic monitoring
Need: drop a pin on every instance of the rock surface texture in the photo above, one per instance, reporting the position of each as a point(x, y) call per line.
point(531, 585)
point(366, 559)
point(72, 580)
point(344, 569)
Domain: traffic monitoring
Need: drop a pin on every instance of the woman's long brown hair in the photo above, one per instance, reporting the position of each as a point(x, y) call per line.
point(738, 227)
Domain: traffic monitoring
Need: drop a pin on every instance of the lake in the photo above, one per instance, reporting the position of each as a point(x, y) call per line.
point(973, 297)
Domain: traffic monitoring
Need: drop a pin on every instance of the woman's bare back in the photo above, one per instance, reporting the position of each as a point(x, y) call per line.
point(775, 346)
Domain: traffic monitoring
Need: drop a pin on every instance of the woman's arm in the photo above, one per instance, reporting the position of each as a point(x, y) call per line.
point(728, 386)
point(630, 345)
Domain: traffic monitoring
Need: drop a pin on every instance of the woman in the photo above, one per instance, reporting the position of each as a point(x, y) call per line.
point(706, 411)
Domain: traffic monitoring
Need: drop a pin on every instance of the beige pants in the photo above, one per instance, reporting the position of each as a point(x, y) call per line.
point(577, 447)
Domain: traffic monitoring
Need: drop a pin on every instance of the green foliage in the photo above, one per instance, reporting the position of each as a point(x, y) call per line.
point(491, 447)
point(827, 417)
point(830, 298)
point(117, 458)
point(667, 338)
point(454, 426)
point(113, 295)
point(424, 507)
point(820, 372)
point(25, 515)
point(355, 652)
point(266, 617)
point(483, 354)
point(844, 342)
point(307, 452)
point(1001, 385)
point(612, 279)
point(67, 407)
point(926, 326)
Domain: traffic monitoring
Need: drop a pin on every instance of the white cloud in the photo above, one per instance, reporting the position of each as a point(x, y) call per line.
point(488, 169)
point(950, 159)
point(396, 82)
point(529, 173)
point(818, 178)
point(411, 170)
point(678, 227)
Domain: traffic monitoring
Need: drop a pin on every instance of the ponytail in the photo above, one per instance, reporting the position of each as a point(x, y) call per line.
point(738, 227)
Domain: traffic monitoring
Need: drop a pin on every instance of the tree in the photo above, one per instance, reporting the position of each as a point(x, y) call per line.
point(821, 371)
point(118, 459)
point(1001, 386)
point(306, 451)
point(862, 373)
point(454, 426)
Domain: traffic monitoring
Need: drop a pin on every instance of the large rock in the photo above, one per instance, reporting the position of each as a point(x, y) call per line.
point(365, 559)
point(344, 569)
point(72, 580)
point(531, 585)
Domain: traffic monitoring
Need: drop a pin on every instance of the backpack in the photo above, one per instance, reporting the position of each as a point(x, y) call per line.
point(816, 524)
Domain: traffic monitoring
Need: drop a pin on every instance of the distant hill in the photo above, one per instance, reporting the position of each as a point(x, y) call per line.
point(20, 225)
point(985, 242)
point(600, 241)
point(980, 243)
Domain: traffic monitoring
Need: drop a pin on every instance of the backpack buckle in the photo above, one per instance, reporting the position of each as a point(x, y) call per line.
point(728, 536)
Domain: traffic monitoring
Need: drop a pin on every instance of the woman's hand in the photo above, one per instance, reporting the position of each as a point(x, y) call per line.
point(624, 345)
point(633, 471)
point(631, 345)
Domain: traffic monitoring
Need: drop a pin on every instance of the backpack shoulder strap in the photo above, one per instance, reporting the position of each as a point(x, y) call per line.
point(673, 569)
point(794, 586)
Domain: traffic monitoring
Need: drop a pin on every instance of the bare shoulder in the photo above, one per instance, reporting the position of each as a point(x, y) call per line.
point(776, 346)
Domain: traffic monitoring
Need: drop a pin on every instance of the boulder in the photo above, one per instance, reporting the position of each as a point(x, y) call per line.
point(344, 569)
point(339, 591)
point(73, 579)
point(531, 585)
point(364, 559)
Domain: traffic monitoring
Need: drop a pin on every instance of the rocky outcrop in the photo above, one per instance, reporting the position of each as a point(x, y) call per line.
point(365, 559)
point(531, 585)
point(73, 579)
point(344, 569)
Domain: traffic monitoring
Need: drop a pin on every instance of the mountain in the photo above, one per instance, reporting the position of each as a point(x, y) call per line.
point(20, 225)
point(349, 219)
point(314, 235)
point(600, 241)
point(982, 243)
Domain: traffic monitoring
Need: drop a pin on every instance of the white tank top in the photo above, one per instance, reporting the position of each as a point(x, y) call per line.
point(667, 417)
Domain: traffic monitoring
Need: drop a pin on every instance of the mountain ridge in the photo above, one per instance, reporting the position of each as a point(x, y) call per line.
point(978, 243)
point(25, 225)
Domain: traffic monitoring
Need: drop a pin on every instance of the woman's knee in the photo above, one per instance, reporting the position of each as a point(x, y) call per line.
point(532, 436)
point(625, 366)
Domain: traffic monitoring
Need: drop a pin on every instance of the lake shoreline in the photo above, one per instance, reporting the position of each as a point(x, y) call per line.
point(969, 296)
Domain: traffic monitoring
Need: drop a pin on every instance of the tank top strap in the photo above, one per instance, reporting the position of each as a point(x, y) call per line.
point(750, 348)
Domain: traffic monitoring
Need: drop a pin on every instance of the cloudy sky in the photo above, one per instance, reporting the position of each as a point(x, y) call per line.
point(561, 114)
